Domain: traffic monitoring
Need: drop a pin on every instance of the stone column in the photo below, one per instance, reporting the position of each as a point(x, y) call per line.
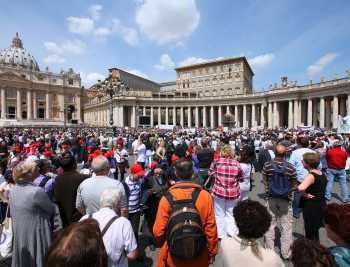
point(29, 106)
point(3, 103)
point(144, 111)
point(166, 115)
point(245, 116)
point(35, 106)
point(227, 109)
point(296, 113)
point(133, 116)
point(19, 105)
point(262, 115)
point(322, 112)
point(204, 117)
point(159, 116)
point(335, 111)
point(211, 117)
point(290, 114)
point(189, 117)
point(253, 116)
point(236, 116)
point(78, 107)
point(309, 112)
point(348, 106)
point(182, 116)
point(220, 116)
point(48, 108)
point(174, 116)
point(276, 121)
point(152, 121)
point(196, 117)
point(269, 115)
point(121, 113)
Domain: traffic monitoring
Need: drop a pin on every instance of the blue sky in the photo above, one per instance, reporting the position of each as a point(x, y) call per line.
point(300, 39)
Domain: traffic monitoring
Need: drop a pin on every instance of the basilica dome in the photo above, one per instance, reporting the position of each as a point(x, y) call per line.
point(16, 55)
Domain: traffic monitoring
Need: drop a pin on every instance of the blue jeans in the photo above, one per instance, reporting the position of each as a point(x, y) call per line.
point(296, 204)
point(340, 175)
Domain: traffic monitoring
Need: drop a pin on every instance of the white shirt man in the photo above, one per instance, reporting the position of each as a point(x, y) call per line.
point(90, 190)
point(119, 238)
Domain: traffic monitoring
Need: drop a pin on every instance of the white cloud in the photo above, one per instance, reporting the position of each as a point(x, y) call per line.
point(166, 63)
point(102, 32)
point(54, 59)
point(138, 73)
point(80, 25)
point(320, 64)
point(91, 78)
point(57, 53)
point(53, 48)
point(95, 12)
point(129, 35)
point(167, 21)
point(75, 46)
point(191, 61)
point(261, 60)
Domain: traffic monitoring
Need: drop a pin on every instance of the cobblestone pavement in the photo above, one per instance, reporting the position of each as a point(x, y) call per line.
point(150, 257)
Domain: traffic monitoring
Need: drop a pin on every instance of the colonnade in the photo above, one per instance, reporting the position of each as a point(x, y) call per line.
point(30, 98)
point(321, 111)
point(316, 111)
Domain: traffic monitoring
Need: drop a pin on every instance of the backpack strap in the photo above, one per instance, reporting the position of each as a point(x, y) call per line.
point(195, 195)
point(108, 225)
point(44, 181)
point(170, 198)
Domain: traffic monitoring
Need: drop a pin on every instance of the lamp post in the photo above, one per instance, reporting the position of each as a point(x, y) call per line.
point(110, 87)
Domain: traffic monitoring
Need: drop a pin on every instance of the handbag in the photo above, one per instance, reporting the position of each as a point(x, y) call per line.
point(6, 237)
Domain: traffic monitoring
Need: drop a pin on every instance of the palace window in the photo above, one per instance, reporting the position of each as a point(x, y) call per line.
point(229, 73)
point(70, 81)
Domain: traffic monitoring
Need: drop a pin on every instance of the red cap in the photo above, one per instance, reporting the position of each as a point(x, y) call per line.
point(137, 169)
point(153, 165)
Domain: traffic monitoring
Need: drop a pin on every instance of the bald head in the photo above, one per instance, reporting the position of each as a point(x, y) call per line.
point(280, 151)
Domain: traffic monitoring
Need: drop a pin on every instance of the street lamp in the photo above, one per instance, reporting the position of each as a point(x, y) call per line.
point(110, 87)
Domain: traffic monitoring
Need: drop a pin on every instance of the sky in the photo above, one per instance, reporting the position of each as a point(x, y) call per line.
point(304, 40)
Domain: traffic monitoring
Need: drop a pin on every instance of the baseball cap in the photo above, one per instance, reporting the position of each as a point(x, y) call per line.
point(137, 169)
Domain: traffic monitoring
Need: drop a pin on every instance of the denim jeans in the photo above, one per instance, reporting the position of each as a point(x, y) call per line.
point(340, 175)
point(296, 204)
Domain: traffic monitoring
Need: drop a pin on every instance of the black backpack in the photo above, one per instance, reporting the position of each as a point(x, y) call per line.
point(279, 185)
point(185, 235)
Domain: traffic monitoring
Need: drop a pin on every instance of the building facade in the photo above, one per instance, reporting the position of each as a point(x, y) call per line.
point(203, 94)
point(31, 97)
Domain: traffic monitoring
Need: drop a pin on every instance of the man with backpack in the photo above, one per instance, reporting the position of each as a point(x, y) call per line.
point(280, 180)
point(185, 226)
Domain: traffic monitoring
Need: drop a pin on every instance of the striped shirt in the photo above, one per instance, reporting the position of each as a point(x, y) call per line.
point(134, 193)
point(268, 171)
point(227, 173)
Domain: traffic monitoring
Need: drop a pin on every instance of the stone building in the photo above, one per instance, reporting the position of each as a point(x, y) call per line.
point(204, 93)
point(30, 97)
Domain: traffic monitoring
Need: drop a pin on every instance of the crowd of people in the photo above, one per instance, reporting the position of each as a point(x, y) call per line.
point(76, 197)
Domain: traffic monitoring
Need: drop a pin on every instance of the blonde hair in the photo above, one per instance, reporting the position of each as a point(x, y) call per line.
point(24, 171)
point(226, 151)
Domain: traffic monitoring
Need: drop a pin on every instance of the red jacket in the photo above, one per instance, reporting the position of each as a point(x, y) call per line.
point(336, 158)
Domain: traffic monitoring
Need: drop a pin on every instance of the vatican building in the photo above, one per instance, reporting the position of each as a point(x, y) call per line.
point(213, 94)
point(30, 96)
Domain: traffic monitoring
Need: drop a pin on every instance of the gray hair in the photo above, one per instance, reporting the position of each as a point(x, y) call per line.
point(100, 164)
point(111, 197)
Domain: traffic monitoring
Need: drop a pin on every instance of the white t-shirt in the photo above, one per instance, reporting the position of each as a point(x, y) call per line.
point(246, 170)
point(141, 153)
point(119, 239)
point(233, 254)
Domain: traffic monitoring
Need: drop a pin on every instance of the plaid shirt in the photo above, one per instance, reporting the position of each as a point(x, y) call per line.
point(227, 173)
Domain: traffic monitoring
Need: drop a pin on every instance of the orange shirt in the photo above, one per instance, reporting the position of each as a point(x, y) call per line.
point(205, 208)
